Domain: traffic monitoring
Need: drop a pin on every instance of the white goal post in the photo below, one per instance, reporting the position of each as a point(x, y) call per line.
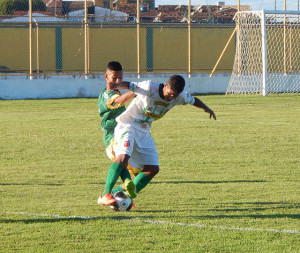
point(267, 58)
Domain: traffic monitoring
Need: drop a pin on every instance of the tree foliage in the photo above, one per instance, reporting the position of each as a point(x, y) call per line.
point(7, 7)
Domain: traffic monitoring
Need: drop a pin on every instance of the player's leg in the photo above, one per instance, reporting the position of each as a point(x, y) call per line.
point(125, 174)
point(123, 138)
point(114, 172)
point(144, 177)
point(112, 177)
point(133, 171)
point(144, 153)
point(128, 185)
point(124, 143)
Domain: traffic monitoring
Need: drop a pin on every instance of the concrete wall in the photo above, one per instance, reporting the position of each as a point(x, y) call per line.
point(78, 87)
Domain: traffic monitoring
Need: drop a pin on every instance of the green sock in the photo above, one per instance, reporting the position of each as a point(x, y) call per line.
point(117, 189)
point(112, 177)
point(125, 175)
point(140, 181)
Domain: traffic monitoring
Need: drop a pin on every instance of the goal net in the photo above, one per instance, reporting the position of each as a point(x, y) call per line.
point(267, 58)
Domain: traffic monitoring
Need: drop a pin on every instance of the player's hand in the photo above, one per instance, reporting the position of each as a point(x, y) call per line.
point(211, 113)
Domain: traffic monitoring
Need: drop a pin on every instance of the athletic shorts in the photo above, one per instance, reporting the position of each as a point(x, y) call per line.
point(111, 155)
point(139, 145)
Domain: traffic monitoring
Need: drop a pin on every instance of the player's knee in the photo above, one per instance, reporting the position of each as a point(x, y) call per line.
point(155, 169)
point(151, 170)
point(123, 159)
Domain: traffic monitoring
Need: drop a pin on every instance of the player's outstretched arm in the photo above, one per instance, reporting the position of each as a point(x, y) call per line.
point(198, 103)
point(120, 86)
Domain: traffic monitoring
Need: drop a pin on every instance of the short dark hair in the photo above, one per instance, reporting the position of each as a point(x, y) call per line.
point(176, 83)
point(114, 65)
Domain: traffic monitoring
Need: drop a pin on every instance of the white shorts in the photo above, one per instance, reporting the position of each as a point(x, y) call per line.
point(139, 145)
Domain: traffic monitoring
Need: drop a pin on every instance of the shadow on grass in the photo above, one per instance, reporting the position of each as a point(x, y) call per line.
point(133, 218)
point(208, 182)
point(257, 206)
point(31, 184)
point(46, 184)
point(254, 216)
point(297, 205)
point(63, 219)
point(154, 182)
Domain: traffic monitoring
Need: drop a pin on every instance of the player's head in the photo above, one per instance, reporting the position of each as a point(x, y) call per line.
point(114, 72)
point(173, 87)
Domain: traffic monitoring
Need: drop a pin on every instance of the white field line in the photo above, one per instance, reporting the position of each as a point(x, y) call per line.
point(231, 122)
point(55, 216)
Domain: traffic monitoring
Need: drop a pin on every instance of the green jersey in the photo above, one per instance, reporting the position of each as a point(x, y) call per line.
point(108, 111)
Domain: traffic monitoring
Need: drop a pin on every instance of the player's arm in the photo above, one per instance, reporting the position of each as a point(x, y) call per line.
point(141, 88)
point(117, 100)
point(198, 103)
point(120, 86)
point(122, 99)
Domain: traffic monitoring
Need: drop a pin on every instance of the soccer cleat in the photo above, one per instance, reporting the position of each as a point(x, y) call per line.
point(130, 188)
point(106, 200)
point(133, 206)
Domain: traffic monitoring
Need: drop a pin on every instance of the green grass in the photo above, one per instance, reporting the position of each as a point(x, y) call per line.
point(230, 185)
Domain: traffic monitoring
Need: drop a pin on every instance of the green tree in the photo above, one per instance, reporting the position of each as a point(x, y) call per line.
point(7, 7)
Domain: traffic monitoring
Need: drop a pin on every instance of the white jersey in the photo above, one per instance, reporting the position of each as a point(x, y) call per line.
point(148, 105)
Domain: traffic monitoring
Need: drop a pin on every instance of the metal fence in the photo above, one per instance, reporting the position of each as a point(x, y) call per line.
point(53, 37)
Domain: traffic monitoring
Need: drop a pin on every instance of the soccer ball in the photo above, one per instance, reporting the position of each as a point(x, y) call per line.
point(124, 202)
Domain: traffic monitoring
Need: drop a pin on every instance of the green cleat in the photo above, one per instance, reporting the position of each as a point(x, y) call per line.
point(130, 188)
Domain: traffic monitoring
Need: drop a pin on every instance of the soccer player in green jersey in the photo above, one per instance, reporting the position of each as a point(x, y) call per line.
point(111, 105)
point(111, 102)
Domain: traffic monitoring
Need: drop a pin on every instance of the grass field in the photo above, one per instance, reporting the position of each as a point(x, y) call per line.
point(231, 185)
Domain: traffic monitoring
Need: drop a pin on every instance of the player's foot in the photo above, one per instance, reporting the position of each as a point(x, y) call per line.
point(133, 206)
point(106, 200)
point(130, 188)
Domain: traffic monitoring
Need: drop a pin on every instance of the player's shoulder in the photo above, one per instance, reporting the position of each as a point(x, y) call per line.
point(107, 94)
point(185, 97)
point(154, 85)
point(145, 85)
point(146, 82)
point(185, 94)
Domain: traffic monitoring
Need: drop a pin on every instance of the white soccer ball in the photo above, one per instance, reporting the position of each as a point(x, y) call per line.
point(124, 202)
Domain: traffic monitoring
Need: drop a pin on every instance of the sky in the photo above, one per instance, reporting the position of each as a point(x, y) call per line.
point(254, 4)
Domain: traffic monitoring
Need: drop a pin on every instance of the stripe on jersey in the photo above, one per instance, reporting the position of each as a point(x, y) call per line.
point(153, 115)
point(160, 103)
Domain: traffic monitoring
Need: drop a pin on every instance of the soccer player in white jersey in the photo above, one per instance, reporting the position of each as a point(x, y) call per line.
point(134, 143)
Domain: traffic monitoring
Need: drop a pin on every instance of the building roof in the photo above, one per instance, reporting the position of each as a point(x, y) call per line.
point(100, 15)
point(39, 17)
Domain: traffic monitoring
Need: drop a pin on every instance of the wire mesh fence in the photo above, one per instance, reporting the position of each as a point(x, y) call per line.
point(41, 37)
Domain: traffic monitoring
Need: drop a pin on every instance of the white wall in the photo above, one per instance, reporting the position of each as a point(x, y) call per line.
point(20, 87)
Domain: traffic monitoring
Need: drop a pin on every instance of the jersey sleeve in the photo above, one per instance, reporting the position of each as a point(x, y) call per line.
point(141, 88)
point(111, 96)
point(185, 98)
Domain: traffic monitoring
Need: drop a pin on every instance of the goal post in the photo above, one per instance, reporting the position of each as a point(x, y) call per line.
point(267, 58)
